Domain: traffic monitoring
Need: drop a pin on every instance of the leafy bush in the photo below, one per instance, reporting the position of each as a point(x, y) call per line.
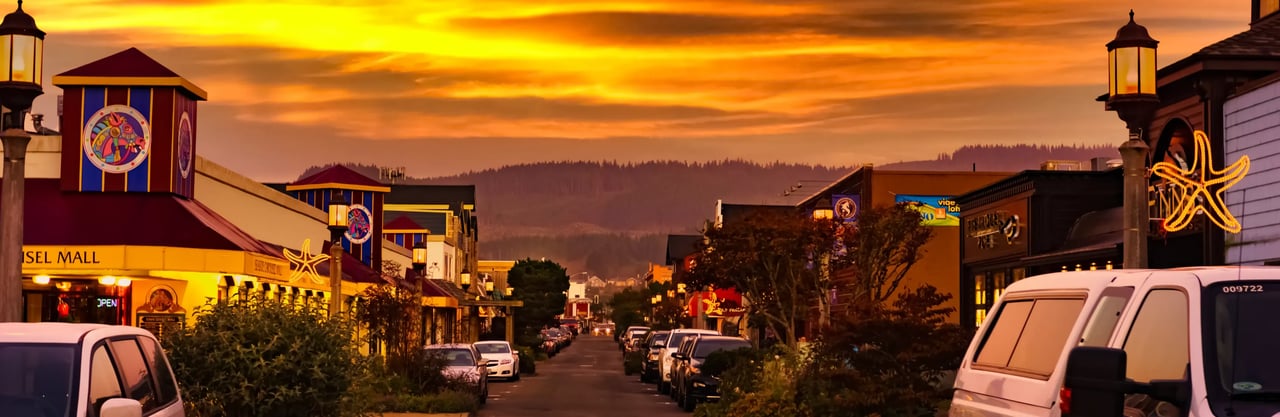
point(448, 401)
point(890, 361)
point(528, 360)
point(247, 358)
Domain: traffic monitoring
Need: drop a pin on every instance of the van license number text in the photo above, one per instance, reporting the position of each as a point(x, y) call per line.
point(1242, 288)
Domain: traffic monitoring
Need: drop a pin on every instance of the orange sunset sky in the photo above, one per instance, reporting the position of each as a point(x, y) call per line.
point(445, 86)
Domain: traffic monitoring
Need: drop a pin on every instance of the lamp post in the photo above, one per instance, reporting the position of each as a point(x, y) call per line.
point(1131, 93)
point(473, 312)
point(24, 43)
point(418, 260)
point(338, 208)
point(511, 318)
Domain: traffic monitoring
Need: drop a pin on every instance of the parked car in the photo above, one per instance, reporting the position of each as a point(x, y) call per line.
point(625, 337)
point(653, 348)
point(692, 386)
point(1193, 342)
point(664, 357)
point(464, 362)
point(64, 369)
point(508, 360)
point(678, 361)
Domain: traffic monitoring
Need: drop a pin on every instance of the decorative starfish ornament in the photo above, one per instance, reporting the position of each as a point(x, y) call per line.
point(304, 263)
point(1196, 181)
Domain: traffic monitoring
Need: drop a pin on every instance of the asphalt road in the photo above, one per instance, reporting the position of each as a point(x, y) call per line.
point(584, 380)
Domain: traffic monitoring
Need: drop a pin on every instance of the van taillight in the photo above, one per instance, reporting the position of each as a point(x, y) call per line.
point(1064, 400)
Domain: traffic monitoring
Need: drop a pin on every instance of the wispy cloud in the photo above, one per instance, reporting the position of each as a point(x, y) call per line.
point(730, 77)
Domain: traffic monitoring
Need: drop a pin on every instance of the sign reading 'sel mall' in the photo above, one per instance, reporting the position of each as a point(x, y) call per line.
point(73, 257)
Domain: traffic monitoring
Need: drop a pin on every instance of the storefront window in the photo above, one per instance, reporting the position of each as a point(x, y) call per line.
point(997, 285)
point(81, 302)
point(1019, 274)
point(980, 290)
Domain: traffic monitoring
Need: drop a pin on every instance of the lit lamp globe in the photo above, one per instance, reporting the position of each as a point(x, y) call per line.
point(24, 44)
point(419, 256)
point(1131, 75)
point(338, 211)
point(466, 279)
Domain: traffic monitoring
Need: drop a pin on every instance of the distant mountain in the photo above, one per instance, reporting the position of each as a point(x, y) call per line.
point(610, 218)
point(1005, 158)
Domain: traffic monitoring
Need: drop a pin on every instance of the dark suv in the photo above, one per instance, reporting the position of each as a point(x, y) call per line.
point(693, 386)
point(652, 351)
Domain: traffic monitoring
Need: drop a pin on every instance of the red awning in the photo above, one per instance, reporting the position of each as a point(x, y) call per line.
point(54, 217)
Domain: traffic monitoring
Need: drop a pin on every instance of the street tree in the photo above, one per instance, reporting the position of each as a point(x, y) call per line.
point(778, 261)
point(627, 309)
point(541, 285)
point(783, 263)
point(883, 247)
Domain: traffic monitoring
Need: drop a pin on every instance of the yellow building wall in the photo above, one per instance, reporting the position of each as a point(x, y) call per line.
point(940, 266)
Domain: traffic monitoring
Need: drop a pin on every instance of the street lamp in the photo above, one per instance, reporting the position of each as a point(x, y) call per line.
point(823, 214)
point(466, 279)
point(24, 43)
point(1131, 93)
point(488, 287)
point(338, 208)
point(419, 261)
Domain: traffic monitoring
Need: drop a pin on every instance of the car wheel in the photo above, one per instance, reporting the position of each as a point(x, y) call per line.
point(663, 388)
point(688, 403)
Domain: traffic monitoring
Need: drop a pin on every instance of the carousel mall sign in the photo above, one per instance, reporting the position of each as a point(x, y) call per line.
point(1188, 191)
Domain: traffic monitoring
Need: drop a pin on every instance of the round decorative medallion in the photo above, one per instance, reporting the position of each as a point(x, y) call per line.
point(359, 224)
point(117, 138)
point(846, 208)
point(186, 154)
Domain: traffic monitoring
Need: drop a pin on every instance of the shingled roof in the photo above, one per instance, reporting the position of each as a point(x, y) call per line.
point(338, 174)
point(127, 67)
point(402, 223)
point(1261, 40)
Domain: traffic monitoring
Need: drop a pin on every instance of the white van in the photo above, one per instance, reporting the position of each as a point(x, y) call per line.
point(84, 370)
point(1201, 341)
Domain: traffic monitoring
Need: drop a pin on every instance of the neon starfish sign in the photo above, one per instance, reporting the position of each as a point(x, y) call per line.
point(304, 263)
point(1201, 188)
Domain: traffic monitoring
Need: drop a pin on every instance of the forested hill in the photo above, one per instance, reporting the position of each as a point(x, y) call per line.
point(557, 198)
point(610, 217)
point(1006, 158)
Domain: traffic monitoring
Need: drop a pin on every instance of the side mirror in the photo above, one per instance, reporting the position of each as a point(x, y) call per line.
point(1095, 383)
point(121, 407)
point(678, 356)
point(491, 363)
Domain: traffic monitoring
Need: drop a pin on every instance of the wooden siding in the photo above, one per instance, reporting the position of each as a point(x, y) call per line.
point(1252, 123)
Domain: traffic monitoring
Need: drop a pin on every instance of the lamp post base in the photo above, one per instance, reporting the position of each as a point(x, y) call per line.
point(12, 204)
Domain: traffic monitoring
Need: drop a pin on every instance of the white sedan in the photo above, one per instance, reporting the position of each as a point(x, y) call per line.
point(508, 360)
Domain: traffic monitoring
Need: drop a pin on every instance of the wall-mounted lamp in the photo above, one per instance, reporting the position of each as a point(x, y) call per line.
point(123, 282)
point(41, 279)
point(107, 280)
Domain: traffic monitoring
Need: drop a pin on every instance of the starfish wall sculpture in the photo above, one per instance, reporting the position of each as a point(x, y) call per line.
point(1201, 182)
point(304, 263)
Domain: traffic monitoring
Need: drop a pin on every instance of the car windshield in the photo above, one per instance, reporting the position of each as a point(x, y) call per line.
point(493, 348)
point(676, 338)
point(660, 339)
point(1244, 339)
point(456, 357)
point(37, 379)
point(705, 347)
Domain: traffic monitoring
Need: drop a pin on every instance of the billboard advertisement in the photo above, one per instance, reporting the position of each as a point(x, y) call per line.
point(934, 210)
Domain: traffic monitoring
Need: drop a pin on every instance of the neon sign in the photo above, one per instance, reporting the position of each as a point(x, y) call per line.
point(1193, 183)
point(304, 263)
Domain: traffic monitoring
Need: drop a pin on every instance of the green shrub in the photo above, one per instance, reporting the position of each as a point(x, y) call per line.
point(448, 401)
point(528, 360)
point(247, 358)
